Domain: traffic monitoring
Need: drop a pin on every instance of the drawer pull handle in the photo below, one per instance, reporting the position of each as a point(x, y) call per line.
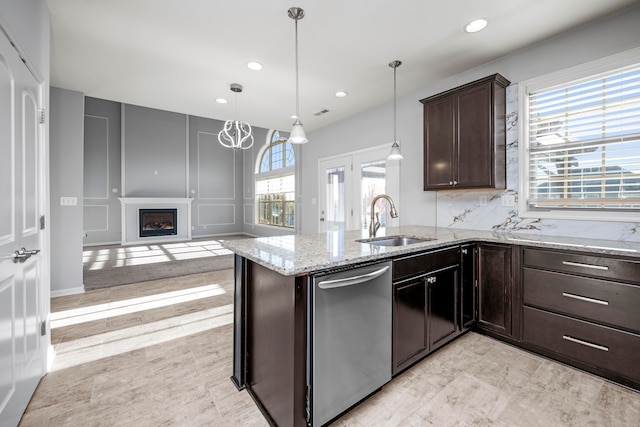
point(586, 343)
point(579, 264)
point(587, 299)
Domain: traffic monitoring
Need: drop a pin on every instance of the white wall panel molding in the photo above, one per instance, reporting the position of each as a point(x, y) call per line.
point(249, 213)
point(216, 214)
point(215, 182)
point(97, 160)
point(95, 217)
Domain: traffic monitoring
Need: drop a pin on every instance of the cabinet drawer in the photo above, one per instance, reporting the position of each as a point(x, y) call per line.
point(599, 300)
point(419, 264)
point(584, 342)
point(590, 265)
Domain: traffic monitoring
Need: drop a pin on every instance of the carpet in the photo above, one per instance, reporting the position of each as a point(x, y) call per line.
point(116, 265)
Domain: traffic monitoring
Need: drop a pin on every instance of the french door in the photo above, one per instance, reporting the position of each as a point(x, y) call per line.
point(22, 306)
point(347, 185)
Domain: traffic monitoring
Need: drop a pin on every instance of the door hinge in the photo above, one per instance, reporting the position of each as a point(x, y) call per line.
point(41, 222)
point(43, 328)
point(41, 116)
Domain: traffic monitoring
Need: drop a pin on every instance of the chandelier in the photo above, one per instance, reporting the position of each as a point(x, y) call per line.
point(235, 133)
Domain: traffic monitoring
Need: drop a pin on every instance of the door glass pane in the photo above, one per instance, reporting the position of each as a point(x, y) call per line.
point(373, 183)
point(335, 215)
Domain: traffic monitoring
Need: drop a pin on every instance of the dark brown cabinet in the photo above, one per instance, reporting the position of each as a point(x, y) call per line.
point(409, 321)
point(495, 289)
point(464, 136)
point(583, 309)
point(425, 304)
point(442, 304)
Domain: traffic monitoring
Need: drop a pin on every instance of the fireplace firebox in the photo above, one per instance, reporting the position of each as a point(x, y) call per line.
point(158, 222)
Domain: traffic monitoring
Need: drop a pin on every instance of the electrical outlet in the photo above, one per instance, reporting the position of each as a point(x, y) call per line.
point(508, 200)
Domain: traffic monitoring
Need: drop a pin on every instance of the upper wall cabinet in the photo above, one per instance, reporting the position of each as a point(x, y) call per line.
point(464, 136)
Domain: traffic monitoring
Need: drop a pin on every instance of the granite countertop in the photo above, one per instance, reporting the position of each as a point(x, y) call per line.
point(305, 253)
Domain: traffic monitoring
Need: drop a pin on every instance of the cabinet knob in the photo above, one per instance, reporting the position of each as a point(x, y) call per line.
point(455, 182)
point(465, 251)
point(450, 182)
point(431, 279)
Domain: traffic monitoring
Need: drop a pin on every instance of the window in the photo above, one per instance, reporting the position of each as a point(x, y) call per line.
point(581, 141)
point(275, 184)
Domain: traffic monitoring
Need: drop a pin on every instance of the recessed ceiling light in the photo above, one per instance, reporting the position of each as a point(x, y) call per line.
point(221, 101)
point(476, 25)
point(255, 66)
point(341, 94)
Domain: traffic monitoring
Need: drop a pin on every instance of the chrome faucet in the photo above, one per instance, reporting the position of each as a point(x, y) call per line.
point(373, 228)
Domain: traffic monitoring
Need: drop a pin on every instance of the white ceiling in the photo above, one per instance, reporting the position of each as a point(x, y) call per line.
point(180, 55)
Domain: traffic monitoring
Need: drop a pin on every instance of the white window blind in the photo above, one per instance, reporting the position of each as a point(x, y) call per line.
point(584, 143)
point(277, 185)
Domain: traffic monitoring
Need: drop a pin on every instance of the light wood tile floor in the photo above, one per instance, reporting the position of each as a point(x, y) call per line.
point(159, 354)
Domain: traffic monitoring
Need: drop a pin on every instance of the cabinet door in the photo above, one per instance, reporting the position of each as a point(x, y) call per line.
point(468, 287)
point(494, 288)
point(439, 136)
point(409, 320)
point(474, 160)
point(442, 300)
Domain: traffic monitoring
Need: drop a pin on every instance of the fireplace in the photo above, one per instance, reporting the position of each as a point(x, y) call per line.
point(158, 222)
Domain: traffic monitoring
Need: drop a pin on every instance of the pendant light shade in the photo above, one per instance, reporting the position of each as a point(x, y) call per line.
point(395, 148)
point(395, 152)
point(297, 135)
point(297, 131)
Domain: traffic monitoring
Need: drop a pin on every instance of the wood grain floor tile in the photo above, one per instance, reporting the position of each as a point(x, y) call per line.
point(169, 365)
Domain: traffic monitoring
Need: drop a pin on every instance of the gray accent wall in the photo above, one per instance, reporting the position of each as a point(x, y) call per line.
point(102, 172)
point(154, 153)
point(66, 159)
point(133, 151)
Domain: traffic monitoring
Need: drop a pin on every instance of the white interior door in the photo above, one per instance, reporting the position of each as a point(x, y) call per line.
point(348, 184)
point(22, 361)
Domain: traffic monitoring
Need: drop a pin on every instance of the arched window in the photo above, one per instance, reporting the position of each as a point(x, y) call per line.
point(275, 183)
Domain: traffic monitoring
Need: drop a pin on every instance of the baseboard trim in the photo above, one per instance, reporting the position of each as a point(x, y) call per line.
point(65, 292)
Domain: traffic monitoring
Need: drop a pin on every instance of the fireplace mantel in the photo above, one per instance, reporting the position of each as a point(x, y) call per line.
point(130, 218)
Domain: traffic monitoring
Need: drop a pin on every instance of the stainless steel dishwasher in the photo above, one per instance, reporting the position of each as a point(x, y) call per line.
point(351, 338)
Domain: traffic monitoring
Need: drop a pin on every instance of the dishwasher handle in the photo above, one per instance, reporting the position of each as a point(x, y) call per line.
point(348, 281)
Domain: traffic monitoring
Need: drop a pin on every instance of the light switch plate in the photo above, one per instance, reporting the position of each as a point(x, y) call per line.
point(68, 201)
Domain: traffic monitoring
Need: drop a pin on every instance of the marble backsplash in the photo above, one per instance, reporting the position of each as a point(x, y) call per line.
point(483, 210)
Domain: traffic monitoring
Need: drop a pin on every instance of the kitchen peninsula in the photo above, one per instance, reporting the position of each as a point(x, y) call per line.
point(573, 300)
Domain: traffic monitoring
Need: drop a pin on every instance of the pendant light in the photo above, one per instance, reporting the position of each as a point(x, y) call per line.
point(395, 148)
point(235, 133)
point(297, 135)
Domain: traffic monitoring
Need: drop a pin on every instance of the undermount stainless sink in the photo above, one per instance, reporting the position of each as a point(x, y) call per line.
point(395, 240)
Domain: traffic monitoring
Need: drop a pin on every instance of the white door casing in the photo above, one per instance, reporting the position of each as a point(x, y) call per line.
point(334, 178)
point(349, 201)
point(22, 309)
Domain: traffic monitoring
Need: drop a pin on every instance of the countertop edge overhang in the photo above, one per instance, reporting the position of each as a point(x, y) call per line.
point(299, 254)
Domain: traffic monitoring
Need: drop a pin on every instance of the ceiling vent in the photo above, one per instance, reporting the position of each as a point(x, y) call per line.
point(321, 112)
